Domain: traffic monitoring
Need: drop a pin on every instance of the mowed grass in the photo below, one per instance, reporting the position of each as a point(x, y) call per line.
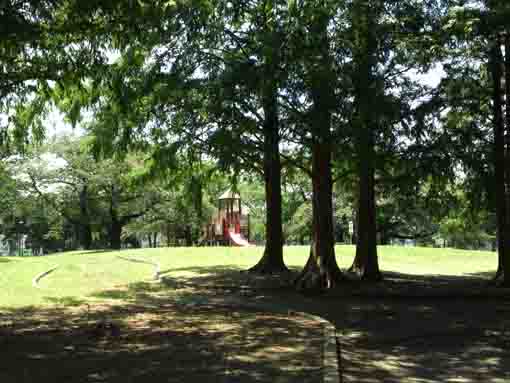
point(80, 276)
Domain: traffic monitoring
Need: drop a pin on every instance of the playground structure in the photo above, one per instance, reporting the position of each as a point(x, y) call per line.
point(230, 225)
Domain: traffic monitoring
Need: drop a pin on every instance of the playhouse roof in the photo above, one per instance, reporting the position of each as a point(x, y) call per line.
point(229, 194)
point(245, 208)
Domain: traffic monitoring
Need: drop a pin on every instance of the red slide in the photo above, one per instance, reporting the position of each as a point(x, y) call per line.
point(238, 239)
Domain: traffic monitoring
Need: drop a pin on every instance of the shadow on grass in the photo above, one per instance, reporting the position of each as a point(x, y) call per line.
point(430, 328)
point(90, 252)
point(65, 301)
point(4, 260)
point(488, 276)
point(134, 291)
point(151, 332)
point(186, 328)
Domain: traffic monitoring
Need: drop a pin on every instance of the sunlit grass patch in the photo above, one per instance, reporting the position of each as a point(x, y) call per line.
point(84, 276)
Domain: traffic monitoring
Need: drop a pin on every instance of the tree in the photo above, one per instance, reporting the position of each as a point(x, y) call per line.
point(366, 89)
point(321, 270)
point(228, 108)
point(501, 158)
point(92, 196)
point(44, 45)
point(391, 111)
point(484, 30)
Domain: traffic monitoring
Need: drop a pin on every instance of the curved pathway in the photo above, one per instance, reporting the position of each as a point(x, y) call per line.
point(156, 265)
point(38, 277)
point(331, 346)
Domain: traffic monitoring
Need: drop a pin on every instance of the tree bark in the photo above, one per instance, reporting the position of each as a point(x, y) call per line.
point(321, 270)
point(115, 235)
point(272, 259)
point(366, 264)
point(496, 60)
point(505, 260)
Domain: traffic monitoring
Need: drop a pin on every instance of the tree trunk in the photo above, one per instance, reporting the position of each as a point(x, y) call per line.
point(384, 237)
point(115, 235)
point(321, 270)
point(496, 60)
point(354, 235)
point(187, 236)
point(116, 224)
point(366, 264)
point(85, 227)
point(155, 240)
point(167, 227)
point(272, 259)
point(505, 258)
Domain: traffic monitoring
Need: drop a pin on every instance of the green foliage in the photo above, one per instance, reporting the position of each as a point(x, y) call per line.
point(173, 91)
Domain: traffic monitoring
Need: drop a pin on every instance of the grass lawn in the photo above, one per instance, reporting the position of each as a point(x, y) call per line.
point(81, 275)
point(193, 327)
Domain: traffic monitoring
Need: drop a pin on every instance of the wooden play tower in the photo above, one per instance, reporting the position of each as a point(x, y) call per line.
point(230, 225)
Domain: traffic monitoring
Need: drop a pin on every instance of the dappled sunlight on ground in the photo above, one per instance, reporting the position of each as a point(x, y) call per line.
point(408, 328)
point(150, 332)
point(447, 326)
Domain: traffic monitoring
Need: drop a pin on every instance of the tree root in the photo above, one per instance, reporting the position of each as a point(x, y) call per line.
point(268, 266)
point(314, 279)
point(499, 280)
point(363, 275)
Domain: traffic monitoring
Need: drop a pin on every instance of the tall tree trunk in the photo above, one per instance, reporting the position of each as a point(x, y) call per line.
point(321, 270)
point(85, 227)
point(506, 259)
point(366, 264)
point(272, 259)
point(496, 60)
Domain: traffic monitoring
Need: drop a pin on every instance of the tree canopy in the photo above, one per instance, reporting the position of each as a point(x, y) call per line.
point(320, 101)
